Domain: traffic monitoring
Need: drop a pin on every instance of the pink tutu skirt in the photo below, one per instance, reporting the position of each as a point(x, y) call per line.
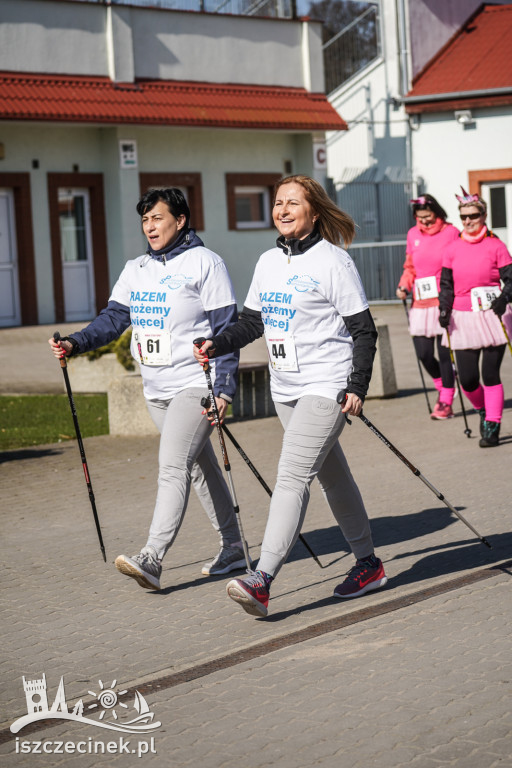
point(476, 330)
point(424, 321)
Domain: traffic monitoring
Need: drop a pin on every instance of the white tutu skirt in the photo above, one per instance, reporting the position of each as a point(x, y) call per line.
point(476, 330)
point(424, 321)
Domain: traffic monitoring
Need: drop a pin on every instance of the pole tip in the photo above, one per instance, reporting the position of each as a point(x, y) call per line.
point(487, 544)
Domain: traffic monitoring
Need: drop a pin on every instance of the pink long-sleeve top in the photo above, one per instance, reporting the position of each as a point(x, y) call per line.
point(424, 258)
point(475, 265)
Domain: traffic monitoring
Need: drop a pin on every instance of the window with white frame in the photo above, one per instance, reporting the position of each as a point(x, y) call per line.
point(249, 200)
point(252, 207)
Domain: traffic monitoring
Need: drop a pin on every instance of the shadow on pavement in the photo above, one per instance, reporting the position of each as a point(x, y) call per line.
point(385, 531)
point(27, 453)
point(447, 562)
point(448, 557)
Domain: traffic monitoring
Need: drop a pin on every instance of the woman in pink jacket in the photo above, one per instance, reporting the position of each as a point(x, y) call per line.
point(475, 311)
point(426, 242)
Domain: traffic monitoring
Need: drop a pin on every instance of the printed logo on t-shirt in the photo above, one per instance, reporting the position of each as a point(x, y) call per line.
point(175, 281)
point(303, 283)
point(149, 308)
point(276, 311)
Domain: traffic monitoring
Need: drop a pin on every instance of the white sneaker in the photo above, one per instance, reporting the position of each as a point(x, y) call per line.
point(145, 567)
point(229, 559)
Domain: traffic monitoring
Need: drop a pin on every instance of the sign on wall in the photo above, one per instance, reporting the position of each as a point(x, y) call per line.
point(319, 156)
point(128, 153)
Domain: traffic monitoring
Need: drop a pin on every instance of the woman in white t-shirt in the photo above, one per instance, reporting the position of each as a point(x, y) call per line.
point(307, 298)
point(178, 290)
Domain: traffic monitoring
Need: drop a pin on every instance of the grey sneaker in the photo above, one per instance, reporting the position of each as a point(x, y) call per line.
point(229, 559)
point(145, 567)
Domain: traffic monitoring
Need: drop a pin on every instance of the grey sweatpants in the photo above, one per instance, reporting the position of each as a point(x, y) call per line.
point(186, 455)
point(310, 448)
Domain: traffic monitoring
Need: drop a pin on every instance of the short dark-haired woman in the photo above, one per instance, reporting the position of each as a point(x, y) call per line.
point(426, 242)
point(175, 292)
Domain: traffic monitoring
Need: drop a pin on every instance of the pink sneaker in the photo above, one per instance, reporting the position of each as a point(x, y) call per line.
point(251, 593)
point(442, 411)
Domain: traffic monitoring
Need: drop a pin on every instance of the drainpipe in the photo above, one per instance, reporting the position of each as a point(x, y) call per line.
point(404, 75)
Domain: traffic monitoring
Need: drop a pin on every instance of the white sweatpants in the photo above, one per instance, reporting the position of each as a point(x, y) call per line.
point(186, 455)
point(310, 448)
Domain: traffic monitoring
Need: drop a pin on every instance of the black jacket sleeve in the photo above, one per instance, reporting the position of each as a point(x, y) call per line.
point(506, 276)
point(248, 327)
point(364, 335)
point(446, 293)
point(107, 326)
point(226, 367)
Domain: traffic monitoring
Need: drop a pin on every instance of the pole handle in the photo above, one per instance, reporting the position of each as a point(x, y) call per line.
point(62, 360)
point(199, 343)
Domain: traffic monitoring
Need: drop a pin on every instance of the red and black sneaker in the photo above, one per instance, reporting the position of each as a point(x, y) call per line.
point(252, 593)
point(363, 577)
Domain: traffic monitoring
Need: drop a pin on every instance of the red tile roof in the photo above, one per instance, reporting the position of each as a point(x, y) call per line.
point(477, 58)
point(160, 102)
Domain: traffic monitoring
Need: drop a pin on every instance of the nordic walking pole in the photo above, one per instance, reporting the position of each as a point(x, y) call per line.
point(227, 466)
point(64, 366)
point(506, 335)
point(404, 302)
point(255, 472)
point(417, 472)
point(467, 431)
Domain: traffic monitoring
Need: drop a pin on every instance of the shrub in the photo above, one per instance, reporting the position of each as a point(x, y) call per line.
point(120, 347)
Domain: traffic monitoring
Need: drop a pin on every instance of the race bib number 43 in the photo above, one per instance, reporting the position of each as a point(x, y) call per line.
point(153, 347)
point(482, 297)
point(282, 353)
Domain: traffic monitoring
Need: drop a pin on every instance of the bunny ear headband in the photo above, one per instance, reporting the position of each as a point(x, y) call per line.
point(419, 201)
point(466, 198)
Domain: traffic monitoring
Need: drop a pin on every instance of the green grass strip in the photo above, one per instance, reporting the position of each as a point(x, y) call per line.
point(27, 420)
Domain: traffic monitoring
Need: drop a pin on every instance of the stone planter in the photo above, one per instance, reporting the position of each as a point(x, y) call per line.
point(86, 376)
point(127, 410)
point(128, 414)
point(383, 381)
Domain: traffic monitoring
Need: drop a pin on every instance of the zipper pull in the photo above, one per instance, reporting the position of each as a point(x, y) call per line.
point(289, 253)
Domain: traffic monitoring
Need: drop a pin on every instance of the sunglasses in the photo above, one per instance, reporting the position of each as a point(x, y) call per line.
point(472, 216)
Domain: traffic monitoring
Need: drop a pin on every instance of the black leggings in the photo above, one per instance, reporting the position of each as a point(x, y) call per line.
point(438, 369)
point(467, 366)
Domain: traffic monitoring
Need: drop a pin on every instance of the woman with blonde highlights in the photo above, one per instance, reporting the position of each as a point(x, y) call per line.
point(307, 298)
point(334, 225)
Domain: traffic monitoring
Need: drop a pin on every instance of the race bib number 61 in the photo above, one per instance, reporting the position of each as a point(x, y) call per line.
point(153, 347)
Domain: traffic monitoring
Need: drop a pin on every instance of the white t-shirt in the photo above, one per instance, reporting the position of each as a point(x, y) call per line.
point(302, 304)
point(168, 304)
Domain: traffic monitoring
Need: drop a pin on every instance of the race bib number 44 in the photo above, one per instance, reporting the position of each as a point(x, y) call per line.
point(482, 297)
point(154, 347)
point(282, 353)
